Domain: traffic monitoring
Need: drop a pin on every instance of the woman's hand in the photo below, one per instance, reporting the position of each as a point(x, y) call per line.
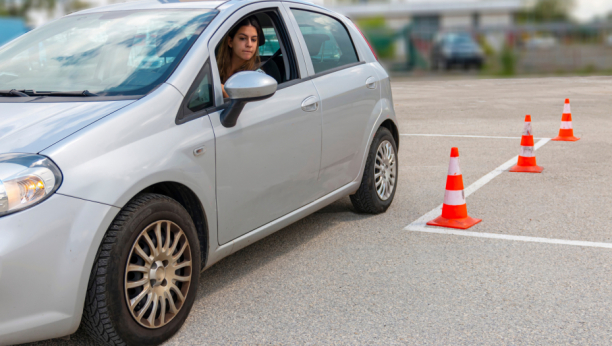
point(225, 95)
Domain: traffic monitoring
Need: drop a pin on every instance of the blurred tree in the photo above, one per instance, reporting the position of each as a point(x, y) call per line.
point(20, 8)
point(381, 37)
point(546, 11)
point(76, 5)
point(508, 61)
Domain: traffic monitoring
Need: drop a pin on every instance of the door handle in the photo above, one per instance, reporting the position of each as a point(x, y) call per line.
point(371, 83)
point(310, 104)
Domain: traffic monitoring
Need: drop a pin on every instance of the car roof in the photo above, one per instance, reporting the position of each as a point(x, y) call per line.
point(178, 4)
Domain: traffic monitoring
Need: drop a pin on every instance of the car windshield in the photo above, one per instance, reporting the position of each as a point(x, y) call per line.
point(460, 40)
point(106, 54)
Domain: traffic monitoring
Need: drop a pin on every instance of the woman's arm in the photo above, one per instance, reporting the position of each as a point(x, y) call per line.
point(223, 89)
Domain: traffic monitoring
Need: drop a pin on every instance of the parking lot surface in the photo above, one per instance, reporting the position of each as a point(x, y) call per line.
point(337, 277)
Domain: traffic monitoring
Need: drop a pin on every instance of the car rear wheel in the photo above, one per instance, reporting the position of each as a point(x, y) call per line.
point(379, 181)
point(145, 276)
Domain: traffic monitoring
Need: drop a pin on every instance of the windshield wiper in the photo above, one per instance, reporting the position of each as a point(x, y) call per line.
point(64, 93)
point(28, 93)
point(13, 92)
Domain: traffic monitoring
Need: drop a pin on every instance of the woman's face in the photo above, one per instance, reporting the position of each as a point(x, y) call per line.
point(244, 43)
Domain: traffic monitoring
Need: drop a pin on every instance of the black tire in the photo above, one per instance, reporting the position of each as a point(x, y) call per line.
point(106, 316)
point(366, 199)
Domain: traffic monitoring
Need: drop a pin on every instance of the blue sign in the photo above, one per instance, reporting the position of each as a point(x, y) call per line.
point(11, 28)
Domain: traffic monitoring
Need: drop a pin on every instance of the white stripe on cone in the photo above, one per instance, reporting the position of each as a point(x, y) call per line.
point(527, 129)
point(453, 197)
point(527, 152)
point(566, 125)
point(566, 108)
point(453, 166)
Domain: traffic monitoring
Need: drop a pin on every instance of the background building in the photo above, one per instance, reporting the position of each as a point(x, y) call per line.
point(458, 14)
point(513, 36)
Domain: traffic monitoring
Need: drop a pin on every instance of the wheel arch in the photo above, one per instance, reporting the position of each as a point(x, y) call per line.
point(190, 201)
point(390, 125)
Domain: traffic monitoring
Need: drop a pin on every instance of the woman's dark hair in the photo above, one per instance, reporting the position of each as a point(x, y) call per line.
point(224, 56)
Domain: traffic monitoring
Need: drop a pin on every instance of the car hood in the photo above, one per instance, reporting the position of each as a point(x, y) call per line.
point(32, 127)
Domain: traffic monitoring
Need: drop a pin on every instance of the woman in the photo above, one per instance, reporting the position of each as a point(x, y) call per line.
point(239, 50)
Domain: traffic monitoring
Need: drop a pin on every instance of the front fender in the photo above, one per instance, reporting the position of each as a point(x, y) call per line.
point(117, 157)
point(124, 153)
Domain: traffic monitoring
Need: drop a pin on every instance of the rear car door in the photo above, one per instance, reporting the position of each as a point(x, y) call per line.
point(268, 164)
point(348, 88)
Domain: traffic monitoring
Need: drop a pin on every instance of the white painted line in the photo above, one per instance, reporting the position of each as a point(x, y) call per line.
point(422, 221)
point(499, 170)
point(460, 136)
point(509, 237)
point(420, 225)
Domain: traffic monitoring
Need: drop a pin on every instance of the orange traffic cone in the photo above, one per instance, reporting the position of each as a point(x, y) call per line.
point(454, 209)
point(566, 132)
point(526, 160)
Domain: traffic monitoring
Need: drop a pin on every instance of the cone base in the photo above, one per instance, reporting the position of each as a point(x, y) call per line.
point(464, 223)
point(565, 139)
point(527, 169)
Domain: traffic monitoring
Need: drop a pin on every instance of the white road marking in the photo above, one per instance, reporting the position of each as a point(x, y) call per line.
point(420, 225)
point(440, 230)
point(463, 136)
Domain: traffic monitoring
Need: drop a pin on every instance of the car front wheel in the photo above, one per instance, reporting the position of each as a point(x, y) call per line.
point(379, 181)
point(145, 275)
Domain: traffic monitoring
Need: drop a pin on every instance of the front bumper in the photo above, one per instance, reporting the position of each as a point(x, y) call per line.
point(46, 255)
point(464, 60)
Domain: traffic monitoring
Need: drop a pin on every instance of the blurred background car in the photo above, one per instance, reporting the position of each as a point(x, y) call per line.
point(455, 49)
point(609, 40)
point(540, 43)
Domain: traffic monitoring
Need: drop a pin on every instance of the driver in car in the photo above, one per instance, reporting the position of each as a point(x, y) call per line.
point(239, 50)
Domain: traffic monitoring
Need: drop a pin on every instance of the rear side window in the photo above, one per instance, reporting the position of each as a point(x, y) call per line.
point(327, 40)
point(272, 44)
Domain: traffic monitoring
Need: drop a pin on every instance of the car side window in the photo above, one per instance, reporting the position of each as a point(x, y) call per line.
point(327, 40)
point(271, 45)
point(276, 54)
point(202, 96)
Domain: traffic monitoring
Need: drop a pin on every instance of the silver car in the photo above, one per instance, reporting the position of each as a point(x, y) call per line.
point(124, 172)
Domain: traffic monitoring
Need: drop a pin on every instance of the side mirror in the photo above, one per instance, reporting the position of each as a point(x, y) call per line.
point(244, 87)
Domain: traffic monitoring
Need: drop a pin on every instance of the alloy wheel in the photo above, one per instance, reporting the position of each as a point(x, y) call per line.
point(158, 274)
point(385, 170)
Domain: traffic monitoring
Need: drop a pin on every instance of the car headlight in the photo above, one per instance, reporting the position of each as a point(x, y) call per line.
point(26, 180)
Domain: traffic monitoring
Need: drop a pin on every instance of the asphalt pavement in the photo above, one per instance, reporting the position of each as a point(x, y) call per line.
point(337, 277)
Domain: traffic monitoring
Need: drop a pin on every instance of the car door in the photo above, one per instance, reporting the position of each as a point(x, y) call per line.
point(268, 164)
point(347, 86)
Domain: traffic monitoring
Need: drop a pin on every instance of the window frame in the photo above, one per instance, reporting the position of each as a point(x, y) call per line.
point(286, 48)
point(306, 8)
point(281, 24)
point(289, 55)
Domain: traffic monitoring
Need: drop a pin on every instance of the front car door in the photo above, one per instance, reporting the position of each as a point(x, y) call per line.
point(348, 88)
point(268, 164)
